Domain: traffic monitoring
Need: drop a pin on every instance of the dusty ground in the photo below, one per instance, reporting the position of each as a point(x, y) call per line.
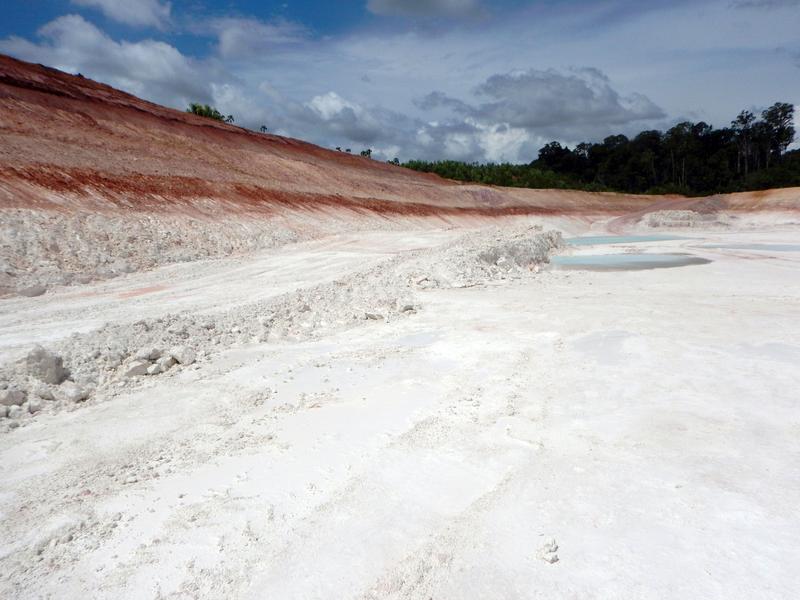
point(645, 422)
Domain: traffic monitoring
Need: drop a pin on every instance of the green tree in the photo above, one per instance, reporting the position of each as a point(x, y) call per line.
point(743, 129)
point(779, 119)
point(204, 110)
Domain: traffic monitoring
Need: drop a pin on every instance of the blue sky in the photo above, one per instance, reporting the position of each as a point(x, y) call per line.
point(462, 79)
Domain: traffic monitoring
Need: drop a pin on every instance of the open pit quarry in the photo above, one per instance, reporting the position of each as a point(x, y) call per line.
point(236, 365)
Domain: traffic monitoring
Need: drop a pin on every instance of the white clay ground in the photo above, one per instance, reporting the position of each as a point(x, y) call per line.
point(568, 434)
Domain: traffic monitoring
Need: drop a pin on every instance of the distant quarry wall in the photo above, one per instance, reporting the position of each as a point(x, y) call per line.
point(43, 249)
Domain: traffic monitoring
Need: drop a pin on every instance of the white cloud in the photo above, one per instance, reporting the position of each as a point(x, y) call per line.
point(344, 120)
point(248, 38)
point(331, 105)
point(424, 8)
point(149, 68)
point(553, 100)
point(132, 12)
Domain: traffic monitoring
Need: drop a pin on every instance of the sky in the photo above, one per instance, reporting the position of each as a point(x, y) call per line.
point(467, 80)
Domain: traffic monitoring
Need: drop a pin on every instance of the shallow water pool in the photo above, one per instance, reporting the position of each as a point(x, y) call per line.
point(596, 240)
point(625, 262)
point(764, 247)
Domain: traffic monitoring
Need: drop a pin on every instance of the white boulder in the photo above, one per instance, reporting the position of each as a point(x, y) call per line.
point(154, 369)
point(137, 368)
point(72, 392)
point(183, 355)
point(148, 354)
point(166, 363)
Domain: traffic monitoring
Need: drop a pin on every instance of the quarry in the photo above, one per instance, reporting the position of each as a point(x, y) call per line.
point(237, 365)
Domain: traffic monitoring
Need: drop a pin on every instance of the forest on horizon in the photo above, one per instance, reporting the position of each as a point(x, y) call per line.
point(690, 158)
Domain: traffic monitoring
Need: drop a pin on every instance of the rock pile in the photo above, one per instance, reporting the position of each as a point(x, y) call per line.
point(94, 366)
point(40, 383)
point(487, 255)
point(40, 249)
point(684, 219)
point(152, 361)
point(34, 383)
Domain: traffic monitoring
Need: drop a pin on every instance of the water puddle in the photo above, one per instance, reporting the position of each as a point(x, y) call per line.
point(625, 262)
point(596, 240)
point(764, 247)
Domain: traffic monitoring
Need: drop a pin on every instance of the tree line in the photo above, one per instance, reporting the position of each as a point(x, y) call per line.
point(689, 158)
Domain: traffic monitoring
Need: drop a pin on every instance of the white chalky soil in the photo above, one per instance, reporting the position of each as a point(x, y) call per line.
point(565, 435)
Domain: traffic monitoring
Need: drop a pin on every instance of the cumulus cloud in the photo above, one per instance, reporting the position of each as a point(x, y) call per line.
point(132, 12)
point(553, 100)
point(424, 8)
point(340, 120)
point(248, 38)
point(146, 68)
point(527, 107)
point(469, 140)
point(334, 120)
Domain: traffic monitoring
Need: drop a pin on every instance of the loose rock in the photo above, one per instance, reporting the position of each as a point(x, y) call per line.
point(12, 397)
point(40, 390)
point(154, 369)
point(32, 291)
point(45, 366)
point(137, 368)
point(15, 412)
point(548, 551)
point(148, 354)
point(183, 355)
point(166, 363)
point(72, 392)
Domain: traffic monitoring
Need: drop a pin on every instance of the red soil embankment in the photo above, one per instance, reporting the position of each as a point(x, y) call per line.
point(69, 142)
